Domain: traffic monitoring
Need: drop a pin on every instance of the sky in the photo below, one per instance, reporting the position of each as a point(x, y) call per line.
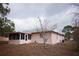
point(25, 15)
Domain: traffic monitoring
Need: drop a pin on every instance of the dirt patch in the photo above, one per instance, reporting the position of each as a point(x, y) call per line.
point(62, 49)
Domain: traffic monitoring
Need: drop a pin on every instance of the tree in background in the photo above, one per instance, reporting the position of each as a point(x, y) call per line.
point(67, 31)
point(75, 23)
point(6, 25)
point(76, 27)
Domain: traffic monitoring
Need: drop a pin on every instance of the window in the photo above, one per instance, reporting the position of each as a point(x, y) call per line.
point(29, 36)
point(14, 37)
point(22, 36)
point(10, 37)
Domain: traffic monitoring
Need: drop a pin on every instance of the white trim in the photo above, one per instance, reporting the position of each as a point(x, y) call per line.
point(20, 36)
point(27, 36)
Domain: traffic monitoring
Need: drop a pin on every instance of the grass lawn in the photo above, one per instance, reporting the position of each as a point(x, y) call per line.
point(62, 49)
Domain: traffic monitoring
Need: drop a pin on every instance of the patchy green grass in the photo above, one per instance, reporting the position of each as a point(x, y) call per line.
point(62, 49)
point(69, 45)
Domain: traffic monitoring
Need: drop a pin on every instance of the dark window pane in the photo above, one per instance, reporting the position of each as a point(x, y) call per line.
point(29, 36)
point(22, 36)
point(14, 36)
point(11, 37)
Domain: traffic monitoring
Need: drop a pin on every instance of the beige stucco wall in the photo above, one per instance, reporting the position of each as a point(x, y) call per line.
point(19, 41)
point(52, 38)
point(16, 41)
point(36, 37)
point(3, 38)
point(56, 38)
point(28, 41)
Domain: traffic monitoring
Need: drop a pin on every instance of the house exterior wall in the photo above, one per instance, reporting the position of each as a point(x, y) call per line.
point(16, 41)
point(3, 38)
point(38, 39)
point(28, 41)
point(53, 38)
point(56, 38)
point(19, 41)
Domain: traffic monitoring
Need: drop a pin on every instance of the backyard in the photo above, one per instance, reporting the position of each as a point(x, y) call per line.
point(67, 48)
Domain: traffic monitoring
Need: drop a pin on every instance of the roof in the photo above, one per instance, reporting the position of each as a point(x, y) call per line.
point(36, 32)
point(49, 32)
point(17, 32)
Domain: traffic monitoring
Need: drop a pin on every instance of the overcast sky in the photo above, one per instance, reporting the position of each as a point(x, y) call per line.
point(25, 15)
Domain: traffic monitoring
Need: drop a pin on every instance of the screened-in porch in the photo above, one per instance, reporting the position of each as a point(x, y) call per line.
point(18, 37)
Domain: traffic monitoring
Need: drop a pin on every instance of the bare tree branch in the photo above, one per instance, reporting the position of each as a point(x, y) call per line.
point(44, 27)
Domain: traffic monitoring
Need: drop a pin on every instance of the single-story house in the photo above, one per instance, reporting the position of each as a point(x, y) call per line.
point(22, 38)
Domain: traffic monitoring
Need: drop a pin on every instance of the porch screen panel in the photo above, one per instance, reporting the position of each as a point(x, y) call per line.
point(29, 36)
point(14, 37)
point(22, 36)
